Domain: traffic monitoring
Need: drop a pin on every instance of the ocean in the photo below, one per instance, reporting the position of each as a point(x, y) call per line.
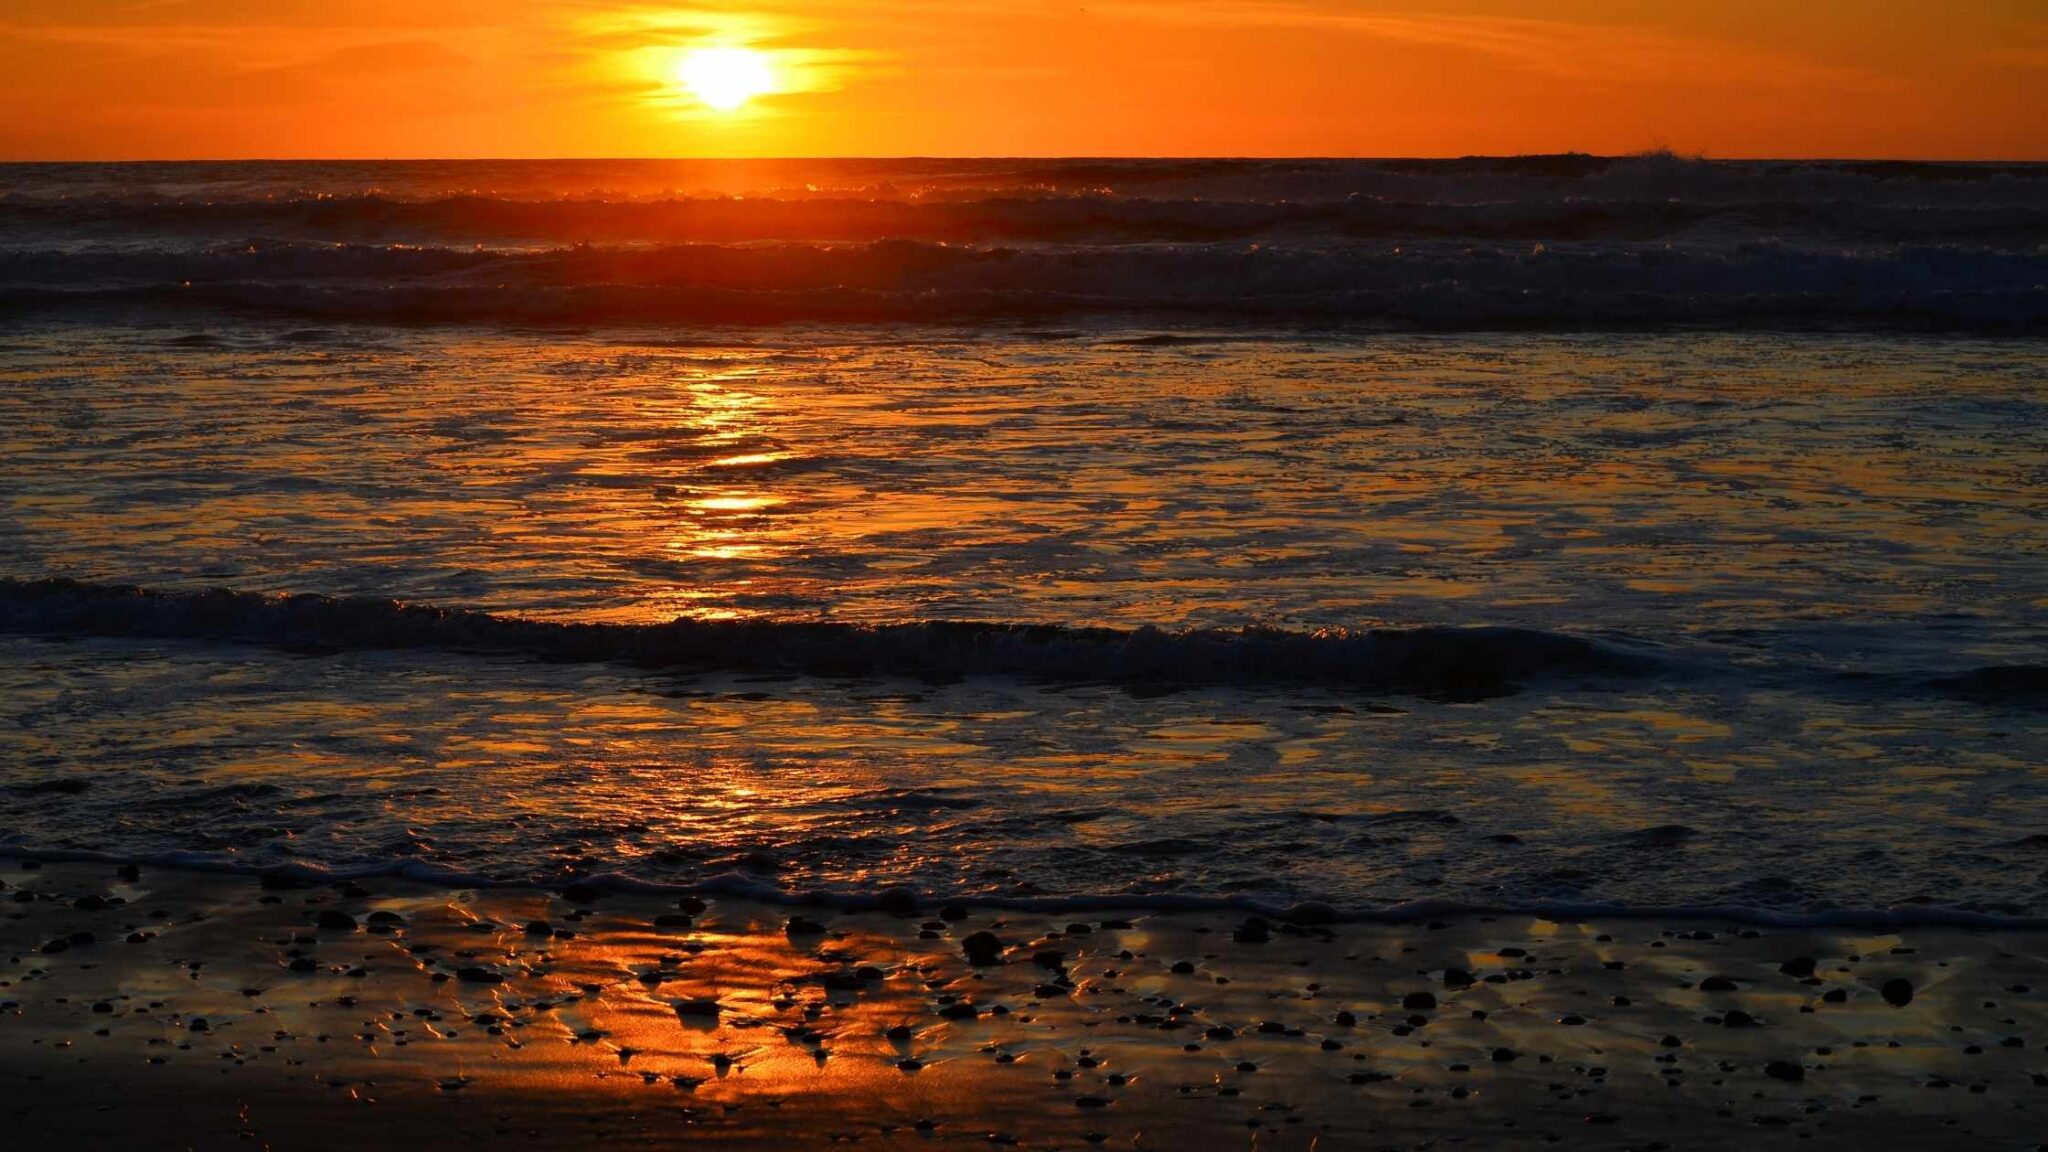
point(1647, 536)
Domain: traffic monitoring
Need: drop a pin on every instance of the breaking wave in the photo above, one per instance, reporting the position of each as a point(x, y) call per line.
point(1459, 663)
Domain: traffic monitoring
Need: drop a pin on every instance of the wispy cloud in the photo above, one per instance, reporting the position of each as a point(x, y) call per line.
point(1579, 51)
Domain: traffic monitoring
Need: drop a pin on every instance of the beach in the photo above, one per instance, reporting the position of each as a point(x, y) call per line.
point(1140, 653)
point(154, 1008)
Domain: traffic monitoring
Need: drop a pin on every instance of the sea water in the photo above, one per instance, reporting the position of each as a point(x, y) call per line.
point(1396, 536)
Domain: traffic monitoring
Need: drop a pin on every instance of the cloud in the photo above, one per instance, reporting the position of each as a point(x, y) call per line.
point(1578, 51)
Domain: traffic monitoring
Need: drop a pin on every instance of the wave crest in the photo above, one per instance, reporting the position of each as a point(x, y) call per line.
point(1456, 663)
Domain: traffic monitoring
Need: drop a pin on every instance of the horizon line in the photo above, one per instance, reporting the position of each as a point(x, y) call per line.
point(1305, 157)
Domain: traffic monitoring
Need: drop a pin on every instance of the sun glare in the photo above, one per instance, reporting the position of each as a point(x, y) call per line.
point(725, 78)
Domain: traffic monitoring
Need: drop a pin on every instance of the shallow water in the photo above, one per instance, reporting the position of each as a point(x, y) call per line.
point(1780, 604)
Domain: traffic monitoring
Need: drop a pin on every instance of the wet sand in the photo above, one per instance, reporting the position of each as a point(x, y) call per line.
point(169, 1009)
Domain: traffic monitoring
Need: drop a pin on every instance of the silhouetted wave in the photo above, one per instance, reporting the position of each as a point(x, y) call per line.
point(1459, 663)
point(2017, 684)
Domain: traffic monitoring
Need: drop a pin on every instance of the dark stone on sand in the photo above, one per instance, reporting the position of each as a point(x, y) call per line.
point(384, 918)
point(478, 976)
point(900, 1033)
point(56, 946)
point(1311, 913)
point(1662, 836)
point(1048, 958)
point(841, 981)
point(333, 920)
point(1835, 996)
point(983, 949)
point(539, 928)
point(1897, 992)
point(1253, 931)
point(199, 1024)
point(1505, 1055)
point(103, 1008)
point(1717, 984)
point(1799, 966)
point(1183, 968)
point(1457, 978)
point(702, 1009)
point(1737, 1018)
point(803, 926)
point(89, 903)
point(960, 1011)
point(897, 901)
point(303, 964)
point(1346, 1020)
point(1785, 1070)
point(691, 905)
point(1114, 925)
point(1419, 1001)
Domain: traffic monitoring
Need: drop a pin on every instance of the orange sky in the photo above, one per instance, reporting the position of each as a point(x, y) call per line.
point(97, 79)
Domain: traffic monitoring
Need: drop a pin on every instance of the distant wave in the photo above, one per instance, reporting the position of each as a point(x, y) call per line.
point(2013, 684)
point(465, 220)
point(1755, 284)
point(1569, 241)
point(1459, 663)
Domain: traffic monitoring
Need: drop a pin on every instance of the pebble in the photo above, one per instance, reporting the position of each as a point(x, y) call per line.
point(983, 949)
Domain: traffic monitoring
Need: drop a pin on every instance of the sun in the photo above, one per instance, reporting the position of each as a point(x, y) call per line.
point(725, 78)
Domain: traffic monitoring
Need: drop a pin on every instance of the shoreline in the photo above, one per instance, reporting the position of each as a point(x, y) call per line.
point(1308, 913)
point(209, 1010)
